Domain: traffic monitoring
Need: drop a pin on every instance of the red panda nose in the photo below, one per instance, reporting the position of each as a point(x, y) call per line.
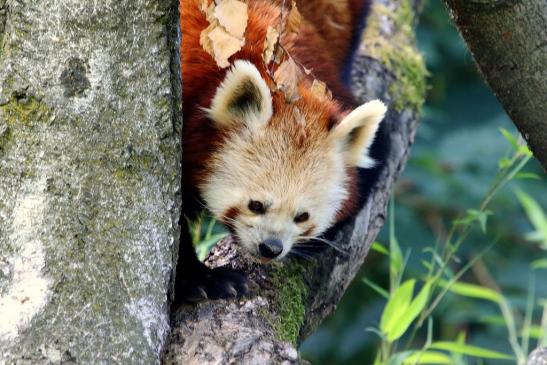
point(270, 248)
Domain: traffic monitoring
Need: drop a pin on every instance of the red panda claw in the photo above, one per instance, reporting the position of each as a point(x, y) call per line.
point(197, 295)
point(218, 283)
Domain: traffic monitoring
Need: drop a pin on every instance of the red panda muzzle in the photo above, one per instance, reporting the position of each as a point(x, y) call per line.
point(270, 248)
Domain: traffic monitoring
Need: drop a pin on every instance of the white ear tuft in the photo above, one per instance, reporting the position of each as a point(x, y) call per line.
point(357, 131)
point(243, 97)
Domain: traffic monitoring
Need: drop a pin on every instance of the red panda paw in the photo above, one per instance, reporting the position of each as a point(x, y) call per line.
point(219, 283)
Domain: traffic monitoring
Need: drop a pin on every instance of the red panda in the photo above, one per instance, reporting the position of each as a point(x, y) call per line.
point(274, 171)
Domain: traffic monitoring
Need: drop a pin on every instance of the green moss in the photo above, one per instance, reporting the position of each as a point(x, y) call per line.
point(27, 112)
point(120, 174)
point(289, 300)
point(397, 52)
point(17, 113)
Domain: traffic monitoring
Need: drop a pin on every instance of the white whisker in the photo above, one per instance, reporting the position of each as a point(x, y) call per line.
point(331, 244)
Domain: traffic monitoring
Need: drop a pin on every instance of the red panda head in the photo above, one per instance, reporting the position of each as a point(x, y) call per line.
point(282, 173)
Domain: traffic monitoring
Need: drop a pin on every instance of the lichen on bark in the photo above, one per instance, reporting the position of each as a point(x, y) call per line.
point(390, 38)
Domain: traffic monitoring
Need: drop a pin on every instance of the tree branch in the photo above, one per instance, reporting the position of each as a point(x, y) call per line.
point(509, 44)
point(290, 300)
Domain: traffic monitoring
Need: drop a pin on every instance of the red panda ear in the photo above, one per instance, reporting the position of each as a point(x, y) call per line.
point(243, 97)
point(357, 131)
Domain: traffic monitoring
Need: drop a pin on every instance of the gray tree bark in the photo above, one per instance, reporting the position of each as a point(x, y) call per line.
point(508, 40)
point(289, 300)
point(538, 357)
point(89, 179)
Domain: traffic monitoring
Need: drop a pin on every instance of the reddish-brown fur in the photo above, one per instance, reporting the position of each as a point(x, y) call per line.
point(318, 46)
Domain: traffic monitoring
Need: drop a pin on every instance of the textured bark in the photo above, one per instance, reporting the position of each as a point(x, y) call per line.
point(508, 40)
point(89, 179)
point(538, 357)
point(289, 300)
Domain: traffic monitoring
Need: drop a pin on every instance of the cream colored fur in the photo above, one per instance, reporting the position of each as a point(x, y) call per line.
point(362, 124)
point(268, 162)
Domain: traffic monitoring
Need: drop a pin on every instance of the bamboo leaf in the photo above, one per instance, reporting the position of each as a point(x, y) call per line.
point(527, 175)
point(408, 316)
point(377, 288)
point(472, 291)
point(427, 357)
point(510, 138)
point(378, 247)
point(205, 246)
point(396, 306)
point(469, 350)
point(539, 264)
point(535, 214)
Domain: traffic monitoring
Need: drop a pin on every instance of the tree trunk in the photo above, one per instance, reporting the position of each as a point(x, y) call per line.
point(89, 179)
point(508, 40)
point(289, 300)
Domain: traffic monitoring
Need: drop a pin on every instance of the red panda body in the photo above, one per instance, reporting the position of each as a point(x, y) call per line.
point(274, 171)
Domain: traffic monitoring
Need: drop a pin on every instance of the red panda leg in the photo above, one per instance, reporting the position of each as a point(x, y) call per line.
point(195, 282)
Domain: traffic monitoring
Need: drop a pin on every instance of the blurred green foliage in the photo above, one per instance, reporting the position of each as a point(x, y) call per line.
point(458, 151)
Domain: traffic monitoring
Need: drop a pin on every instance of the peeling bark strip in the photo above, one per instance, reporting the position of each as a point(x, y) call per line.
point(89, 179)
point(289, 300)
point(508, 40)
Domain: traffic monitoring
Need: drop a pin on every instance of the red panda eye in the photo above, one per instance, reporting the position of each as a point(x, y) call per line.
point(256, 207)
point(302, 217)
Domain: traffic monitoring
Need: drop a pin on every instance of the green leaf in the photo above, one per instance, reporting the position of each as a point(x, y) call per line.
point(378, 359)
point(210, 227)
point(378, 247)
point(410, 314)
point(534, 332)
point(474, 215)
point(510, 138)
point(524, 150)
point(539, 264)
point(469, 350)
point(426, 264)
point(396, 261)
point(504, 163)
point(205, 246)
point(396, 306)
point(427, 357)
point(377, 288)
point(460, 339)
point(536, 216)
point(527, 175)
point(492, 320)
point(376, 331)
point(398, 358)
point(472, 291)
